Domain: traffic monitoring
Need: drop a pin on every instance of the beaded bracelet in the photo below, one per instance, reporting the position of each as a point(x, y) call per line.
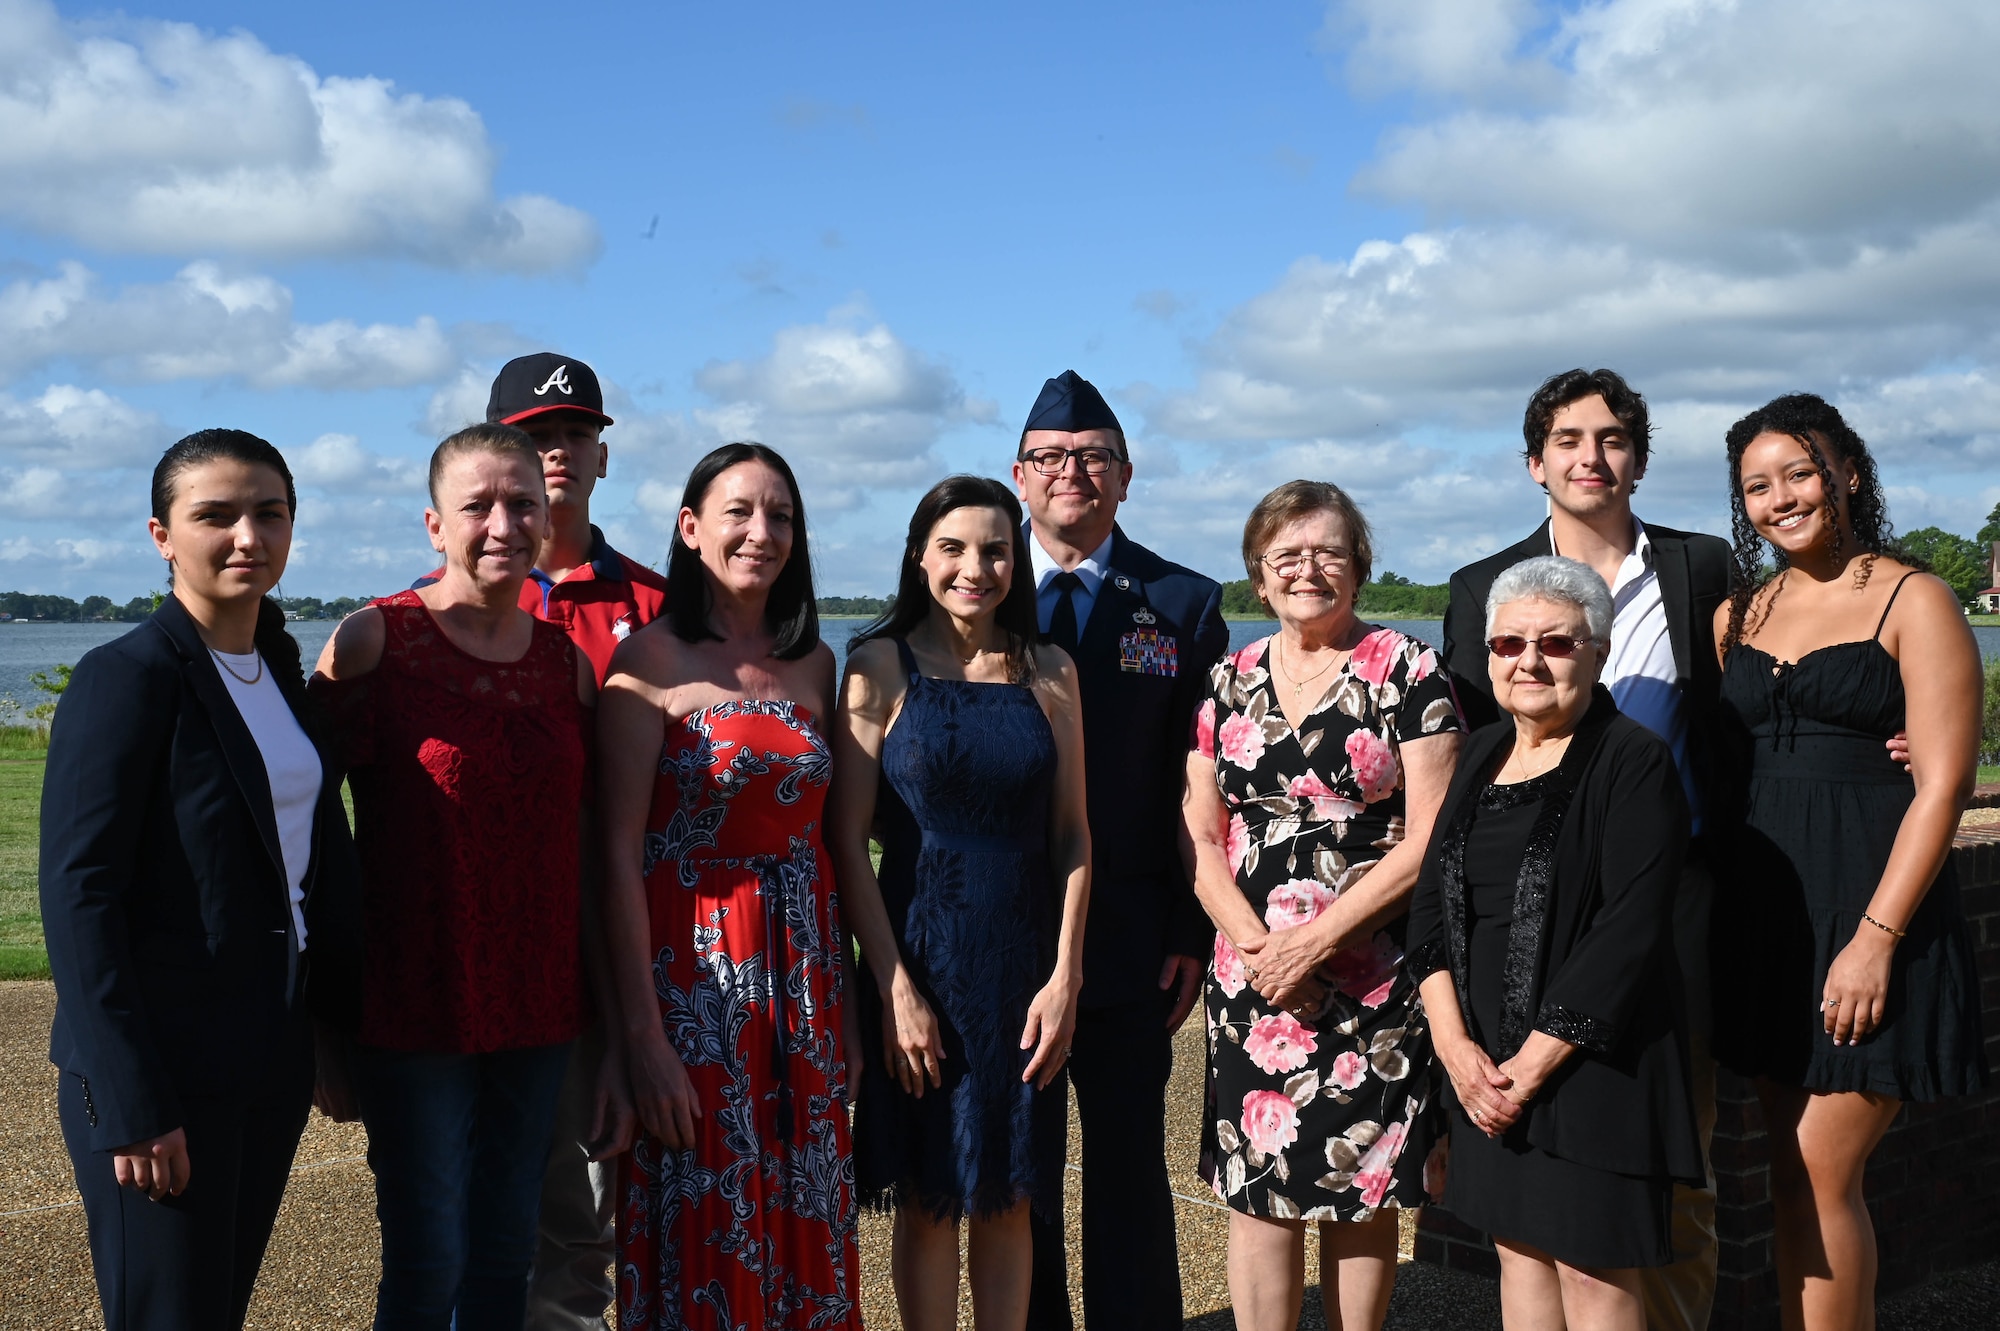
point(1894, 933)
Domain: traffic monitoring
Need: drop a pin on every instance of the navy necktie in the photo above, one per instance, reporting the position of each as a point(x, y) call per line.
point(1062, 623)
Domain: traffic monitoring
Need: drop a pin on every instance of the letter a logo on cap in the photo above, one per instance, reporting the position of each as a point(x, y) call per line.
point(560, 379)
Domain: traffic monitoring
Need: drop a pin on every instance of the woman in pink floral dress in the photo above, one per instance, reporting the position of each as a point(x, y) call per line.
point(1317, 767)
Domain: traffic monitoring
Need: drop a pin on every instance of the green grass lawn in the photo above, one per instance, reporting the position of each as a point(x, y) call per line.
point(22, 956)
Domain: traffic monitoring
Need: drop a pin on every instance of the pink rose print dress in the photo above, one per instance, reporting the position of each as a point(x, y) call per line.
point(1329, 1116)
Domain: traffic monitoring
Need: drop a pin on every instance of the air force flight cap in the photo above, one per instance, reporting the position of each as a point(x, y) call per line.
point(528, 386)
point(1070, 402)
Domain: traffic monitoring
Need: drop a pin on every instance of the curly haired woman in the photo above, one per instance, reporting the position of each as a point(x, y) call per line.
point(1853, 986)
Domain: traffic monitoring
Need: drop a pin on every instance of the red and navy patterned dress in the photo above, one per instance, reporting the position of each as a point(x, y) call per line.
point(755, 1227)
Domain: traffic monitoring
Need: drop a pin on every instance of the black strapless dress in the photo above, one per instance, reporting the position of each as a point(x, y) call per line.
point(1824, 806)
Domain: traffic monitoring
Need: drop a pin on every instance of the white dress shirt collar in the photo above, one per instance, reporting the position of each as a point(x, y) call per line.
point(1093, 570)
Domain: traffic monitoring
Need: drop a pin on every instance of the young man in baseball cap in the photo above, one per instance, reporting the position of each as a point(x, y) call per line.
point(599, 597)
point(579, 581)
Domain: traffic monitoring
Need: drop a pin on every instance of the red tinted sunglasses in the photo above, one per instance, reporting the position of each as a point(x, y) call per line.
point(1555, 646)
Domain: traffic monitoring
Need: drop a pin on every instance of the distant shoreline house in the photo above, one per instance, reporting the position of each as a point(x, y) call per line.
point(1989, 600)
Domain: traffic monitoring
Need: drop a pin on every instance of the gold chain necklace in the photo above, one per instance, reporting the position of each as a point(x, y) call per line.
point(1520, 763)
point(219, 660)
point(1299, 685)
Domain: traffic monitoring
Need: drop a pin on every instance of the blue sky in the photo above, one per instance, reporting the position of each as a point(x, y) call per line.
point(1341, 240)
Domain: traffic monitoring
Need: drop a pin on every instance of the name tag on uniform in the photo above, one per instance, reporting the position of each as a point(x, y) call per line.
point(1149, 652)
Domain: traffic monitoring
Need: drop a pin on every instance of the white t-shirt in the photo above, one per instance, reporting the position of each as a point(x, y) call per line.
point(291, 764)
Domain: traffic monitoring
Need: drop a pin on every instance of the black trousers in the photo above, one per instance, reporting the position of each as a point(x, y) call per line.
point(1120, 1060)
point(188, 1263)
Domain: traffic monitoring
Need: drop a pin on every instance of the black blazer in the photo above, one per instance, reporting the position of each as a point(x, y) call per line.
point(1591, 951)
point(1694, 573)
point(163, 890)
point(1136, 724)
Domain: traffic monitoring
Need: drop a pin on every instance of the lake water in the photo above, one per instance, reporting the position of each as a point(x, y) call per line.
point(27, 648)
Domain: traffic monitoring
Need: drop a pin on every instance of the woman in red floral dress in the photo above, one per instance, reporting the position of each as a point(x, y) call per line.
point(736, 1203)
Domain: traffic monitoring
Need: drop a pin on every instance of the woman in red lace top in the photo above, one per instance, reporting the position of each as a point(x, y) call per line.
point(463, 721)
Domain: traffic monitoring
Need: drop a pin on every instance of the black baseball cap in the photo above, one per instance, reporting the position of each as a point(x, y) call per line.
point(528, 386)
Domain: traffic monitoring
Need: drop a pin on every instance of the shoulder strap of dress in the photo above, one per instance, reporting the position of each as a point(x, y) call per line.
point(908, 659)
point(1892, 602)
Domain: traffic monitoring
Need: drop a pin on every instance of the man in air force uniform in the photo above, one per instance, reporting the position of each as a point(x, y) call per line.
point(1143, 632)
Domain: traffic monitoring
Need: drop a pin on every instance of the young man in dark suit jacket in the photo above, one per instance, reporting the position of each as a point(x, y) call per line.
point(1143, 632)
point(1587, 433)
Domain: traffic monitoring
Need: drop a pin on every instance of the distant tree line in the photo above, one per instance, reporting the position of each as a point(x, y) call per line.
point(311, 607)
point(62, 610)
point(1965, 565)
point(101, 609)
point(870, 606)
point(1390, 596)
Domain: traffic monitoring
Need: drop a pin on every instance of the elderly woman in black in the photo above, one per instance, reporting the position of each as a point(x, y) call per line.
point(1541, 935)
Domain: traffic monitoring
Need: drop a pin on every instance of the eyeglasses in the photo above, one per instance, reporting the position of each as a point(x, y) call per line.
point(1291, 563)
point(1555, 646)
point(1052, 461)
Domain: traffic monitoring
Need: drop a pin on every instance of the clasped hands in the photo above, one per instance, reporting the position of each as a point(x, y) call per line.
point(1282, 966)
point(1493, 1095)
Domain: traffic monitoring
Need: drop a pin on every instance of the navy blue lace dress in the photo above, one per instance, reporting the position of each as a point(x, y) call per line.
point(967, 774)
point(1825, 803)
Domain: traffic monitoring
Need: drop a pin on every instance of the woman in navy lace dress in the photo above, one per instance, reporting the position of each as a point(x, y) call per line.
point(960, 746)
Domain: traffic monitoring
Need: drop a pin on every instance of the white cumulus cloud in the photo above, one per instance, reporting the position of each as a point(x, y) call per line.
point(78, 429)
point(847, 395)
point(159, 138)
point(1723, 199)
point(339, 463)
point(1717, 125)
point(208, 323)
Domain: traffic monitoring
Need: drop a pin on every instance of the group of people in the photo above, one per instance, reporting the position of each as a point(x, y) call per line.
point(656, 948)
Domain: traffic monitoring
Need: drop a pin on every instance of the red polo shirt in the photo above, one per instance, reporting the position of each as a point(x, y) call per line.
point(598, 604)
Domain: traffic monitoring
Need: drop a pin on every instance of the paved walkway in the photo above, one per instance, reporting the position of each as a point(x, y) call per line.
point(321, 1270)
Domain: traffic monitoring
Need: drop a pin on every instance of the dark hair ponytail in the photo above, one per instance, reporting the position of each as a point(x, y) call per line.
point(1016, 613)
point(210, 446)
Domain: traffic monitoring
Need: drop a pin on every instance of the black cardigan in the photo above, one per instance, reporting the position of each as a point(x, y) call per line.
point(1591, 958)
point(163, 887)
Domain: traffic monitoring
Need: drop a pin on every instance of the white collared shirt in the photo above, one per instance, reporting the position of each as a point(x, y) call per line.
point(1639, 669)
point(1092, 572)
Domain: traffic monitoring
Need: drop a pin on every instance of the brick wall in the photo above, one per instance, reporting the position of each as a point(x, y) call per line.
point(1933, 1185)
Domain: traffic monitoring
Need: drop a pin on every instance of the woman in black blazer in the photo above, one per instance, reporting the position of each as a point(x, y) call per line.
point(198, 895)
point(1541, 933)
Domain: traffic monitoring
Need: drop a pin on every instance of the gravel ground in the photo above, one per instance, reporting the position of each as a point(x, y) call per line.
point(321, 1268)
